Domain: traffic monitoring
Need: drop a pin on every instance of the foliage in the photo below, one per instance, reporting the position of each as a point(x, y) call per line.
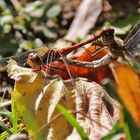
point(29, 26)
point(87, 110)
point(38, 103)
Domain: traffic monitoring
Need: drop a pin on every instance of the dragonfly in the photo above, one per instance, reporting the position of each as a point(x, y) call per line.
point(45, 56)
point(38, 59)
point(129, 49)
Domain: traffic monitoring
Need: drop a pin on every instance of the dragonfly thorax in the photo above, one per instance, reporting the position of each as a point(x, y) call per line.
point(51, 56)
point(114, 45)
point(117, 47)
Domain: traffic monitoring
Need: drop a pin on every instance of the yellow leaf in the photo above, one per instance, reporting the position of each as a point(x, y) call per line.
point(36, 99)
point(129, 89)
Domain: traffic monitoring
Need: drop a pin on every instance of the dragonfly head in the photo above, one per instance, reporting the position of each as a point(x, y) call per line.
point(108, 36)
point(34, 60)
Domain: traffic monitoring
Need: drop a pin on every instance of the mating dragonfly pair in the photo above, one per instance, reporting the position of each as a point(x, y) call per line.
point(128, 49)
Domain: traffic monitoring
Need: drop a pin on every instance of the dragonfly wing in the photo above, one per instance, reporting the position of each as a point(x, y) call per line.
point(134, 63)
point(132, 32)
point(19, 58)
point(133, 40)
point(132, 46)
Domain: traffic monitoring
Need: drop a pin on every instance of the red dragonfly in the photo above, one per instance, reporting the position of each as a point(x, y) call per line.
point(129, 47)
point(40, 58)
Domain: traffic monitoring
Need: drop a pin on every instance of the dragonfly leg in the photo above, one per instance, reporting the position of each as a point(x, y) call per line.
point(94, 64)
point(97, 50)
point(103, 61)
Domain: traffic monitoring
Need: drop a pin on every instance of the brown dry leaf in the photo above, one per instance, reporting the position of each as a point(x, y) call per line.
point(53, 94)
point(94, 110)
point(96, 118)
point(85, 19)
point(128, 86)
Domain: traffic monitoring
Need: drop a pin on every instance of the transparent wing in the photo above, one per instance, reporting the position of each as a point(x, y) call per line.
point(19, 58)
point(132, 32)
point(132, 44)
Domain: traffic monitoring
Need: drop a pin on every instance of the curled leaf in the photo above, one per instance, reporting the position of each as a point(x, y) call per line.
point(36, 101)
point(16, 72)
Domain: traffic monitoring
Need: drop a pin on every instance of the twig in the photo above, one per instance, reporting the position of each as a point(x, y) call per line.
point(4, 104)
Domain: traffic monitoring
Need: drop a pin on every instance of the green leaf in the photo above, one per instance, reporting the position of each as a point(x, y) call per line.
point(8, 43)
point(130, 19)
point(4, 135)
point(54, 11)
point(117, 129)
point(33, 6)
point(48, 32)
point(130, 128)
point(73, 122)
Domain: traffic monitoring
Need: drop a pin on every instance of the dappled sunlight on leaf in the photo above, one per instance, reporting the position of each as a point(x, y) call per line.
point(128, 86)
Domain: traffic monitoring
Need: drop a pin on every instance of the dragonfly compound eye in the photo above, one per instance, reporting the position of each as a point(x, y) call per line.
point(34, 60)
point(108, 36)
